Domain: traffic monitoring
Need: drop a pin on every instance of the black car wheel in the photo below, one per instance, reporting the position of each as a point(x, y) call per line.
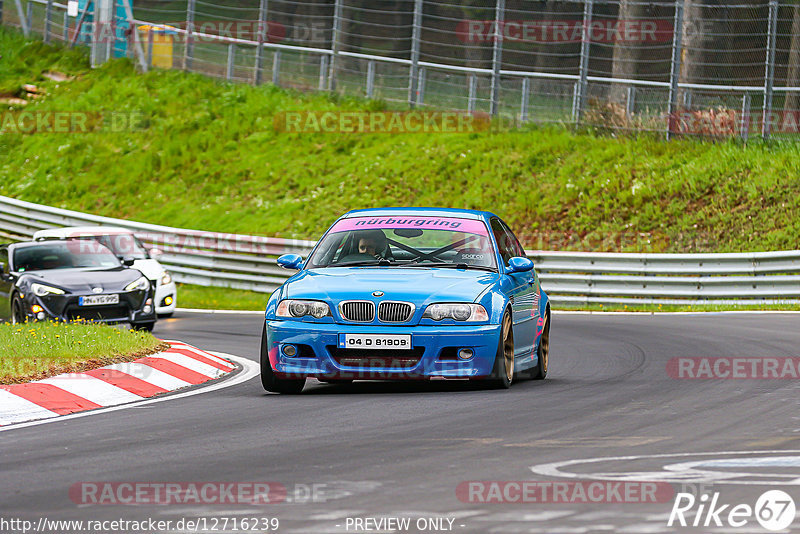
point(503, 372)
point(17, 315)
point(271, 383)
point(144, 327)
point(540, 371)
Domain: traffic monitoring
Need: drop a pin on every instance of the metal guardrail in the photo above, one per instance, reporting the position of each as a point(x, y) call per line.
point(249, 262)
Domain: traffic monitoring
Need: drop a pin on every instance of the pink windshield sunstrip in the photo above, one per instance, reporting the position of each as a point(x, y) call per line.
point(468, 226)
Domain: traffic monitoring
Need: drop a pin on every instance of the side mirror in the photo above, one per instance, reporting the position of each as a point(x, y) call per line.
point(518, 264)
point(4, 276)
point(156, 253)
point(291, 261)
point(128, 261)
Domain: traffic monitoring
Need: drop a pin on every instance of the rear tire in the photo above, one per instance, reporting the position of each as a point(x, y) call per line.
point(543, 352)
point(270, 382)
point(503, 371)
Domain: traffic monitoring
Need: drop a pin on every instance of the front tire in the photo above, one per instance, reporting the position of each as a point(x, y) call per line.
point(17, 315)
point(270, 382)
point(144, 327)
point(503, 371)
point(543, 352)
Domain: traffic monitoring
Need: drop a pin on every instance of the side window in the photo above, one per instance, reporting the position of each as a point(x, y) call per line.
point(518, 250)
point(4, 259)
point(504, 243)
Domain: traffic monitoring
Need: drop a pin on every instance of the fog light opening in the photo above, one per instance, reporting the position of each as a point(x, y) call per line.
point(40, 316)
point(289, 350)
point(147, 310)
point(465, 354)
point(168, 301)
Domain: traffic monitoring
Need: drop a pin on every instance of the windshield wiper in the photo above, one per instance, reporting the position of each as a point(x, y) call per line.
point(448, 265)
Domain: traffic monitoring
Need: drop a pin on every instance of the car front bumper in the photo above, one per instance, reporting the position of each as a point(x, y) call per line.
point(130, 309)
point(433, 353)
point(162, 292)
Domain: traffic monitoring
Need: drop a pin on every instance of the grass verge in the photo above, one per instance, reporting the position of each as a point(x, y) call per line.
point(33, 351)
point(220, 298)
point(207, 157)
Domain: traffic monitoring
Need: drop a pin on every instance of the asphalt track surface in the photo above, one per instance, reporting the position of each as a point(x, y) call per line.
point(401, 449)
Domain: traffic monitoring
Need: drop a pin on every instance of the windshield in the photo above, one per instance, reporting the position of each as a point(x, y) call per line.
point(63, 255)
point(406, 241)
point(123, 245)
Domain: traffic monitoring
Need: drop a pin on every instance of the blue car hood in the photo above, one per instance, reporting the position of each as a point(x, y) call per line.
point(419, 286)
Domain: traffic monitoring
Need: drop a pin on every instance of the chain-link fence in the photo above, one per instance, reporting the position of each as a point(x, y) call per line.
point(682, 67)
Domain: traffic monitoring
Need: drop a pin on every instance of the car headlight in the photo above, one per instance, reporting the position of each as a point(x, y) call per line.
point(301, 308)
point(459, 312)
point(139, 285)
point(41, 290)
point(166, 279)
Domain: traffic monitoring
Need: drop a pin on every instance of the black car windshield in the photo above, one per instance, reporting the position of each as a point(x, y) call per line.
point(63, 255)
point(123, 245)
point(414, 241)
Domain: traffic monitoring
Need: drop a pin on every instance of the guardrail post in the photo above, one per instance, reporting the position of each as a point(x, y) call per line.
point(150, 39)
point(335, 44)
point(188, 49)
point(630, 102)
point(413, 72)
point(22, 19)
point(744, 126)
point(276, 67)
point(497, 55)
point(262, 37)
point(580, 100)
point(323, 72)
point(769, 69)
point(523, 112)
point(472, 80)
point(675, 67)
point(231, 61)
point(48, 13)
point(370, 78)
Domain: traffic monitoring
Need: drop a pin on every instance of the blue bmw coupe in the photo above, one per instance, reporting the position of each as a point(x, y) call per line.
point(408, 293)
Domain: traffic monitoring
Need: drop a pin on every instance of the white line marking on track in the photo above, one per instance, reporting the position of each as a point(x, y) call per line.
point(250, 369)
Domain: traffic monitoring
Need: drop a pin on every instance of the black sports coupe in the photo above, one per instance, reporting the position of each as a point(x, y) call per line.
point(72, 280)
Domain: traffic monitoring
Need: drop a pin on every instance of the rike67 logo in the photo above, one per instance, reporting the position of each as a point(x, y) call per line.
point(774, 510)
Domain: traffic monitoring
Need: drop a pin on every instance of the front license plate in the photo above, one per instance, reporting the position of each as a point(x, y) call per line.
point(375, 341)
point(98, 300)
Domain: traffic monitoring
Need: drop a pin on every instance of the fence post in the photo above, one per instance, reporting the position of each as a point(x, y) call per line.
point(497, 55)
point(580, 99)
point(769, 71)
point(523, 114)
point(22, 19)
point(630, 102)
point(66, 27)
point(137, 46)
point(370, 78)
point(335, 45)
point(323, 72)
point(473, 89)
point(675, 67)
point(262, 36)
point(150, 39)
point(48, 12)
point(29, 15)
point(421, 86)
point(276, 67)
point(188, 50)
point(1, 11)
point(413, 72)
point(744, 127)
point(231, 61)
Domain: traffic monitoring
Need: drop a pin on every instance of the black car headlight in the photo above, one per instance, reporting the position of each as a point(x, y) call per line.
point(301, 308)
point(141, 284)
point(462, 312)
point(41, 290)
